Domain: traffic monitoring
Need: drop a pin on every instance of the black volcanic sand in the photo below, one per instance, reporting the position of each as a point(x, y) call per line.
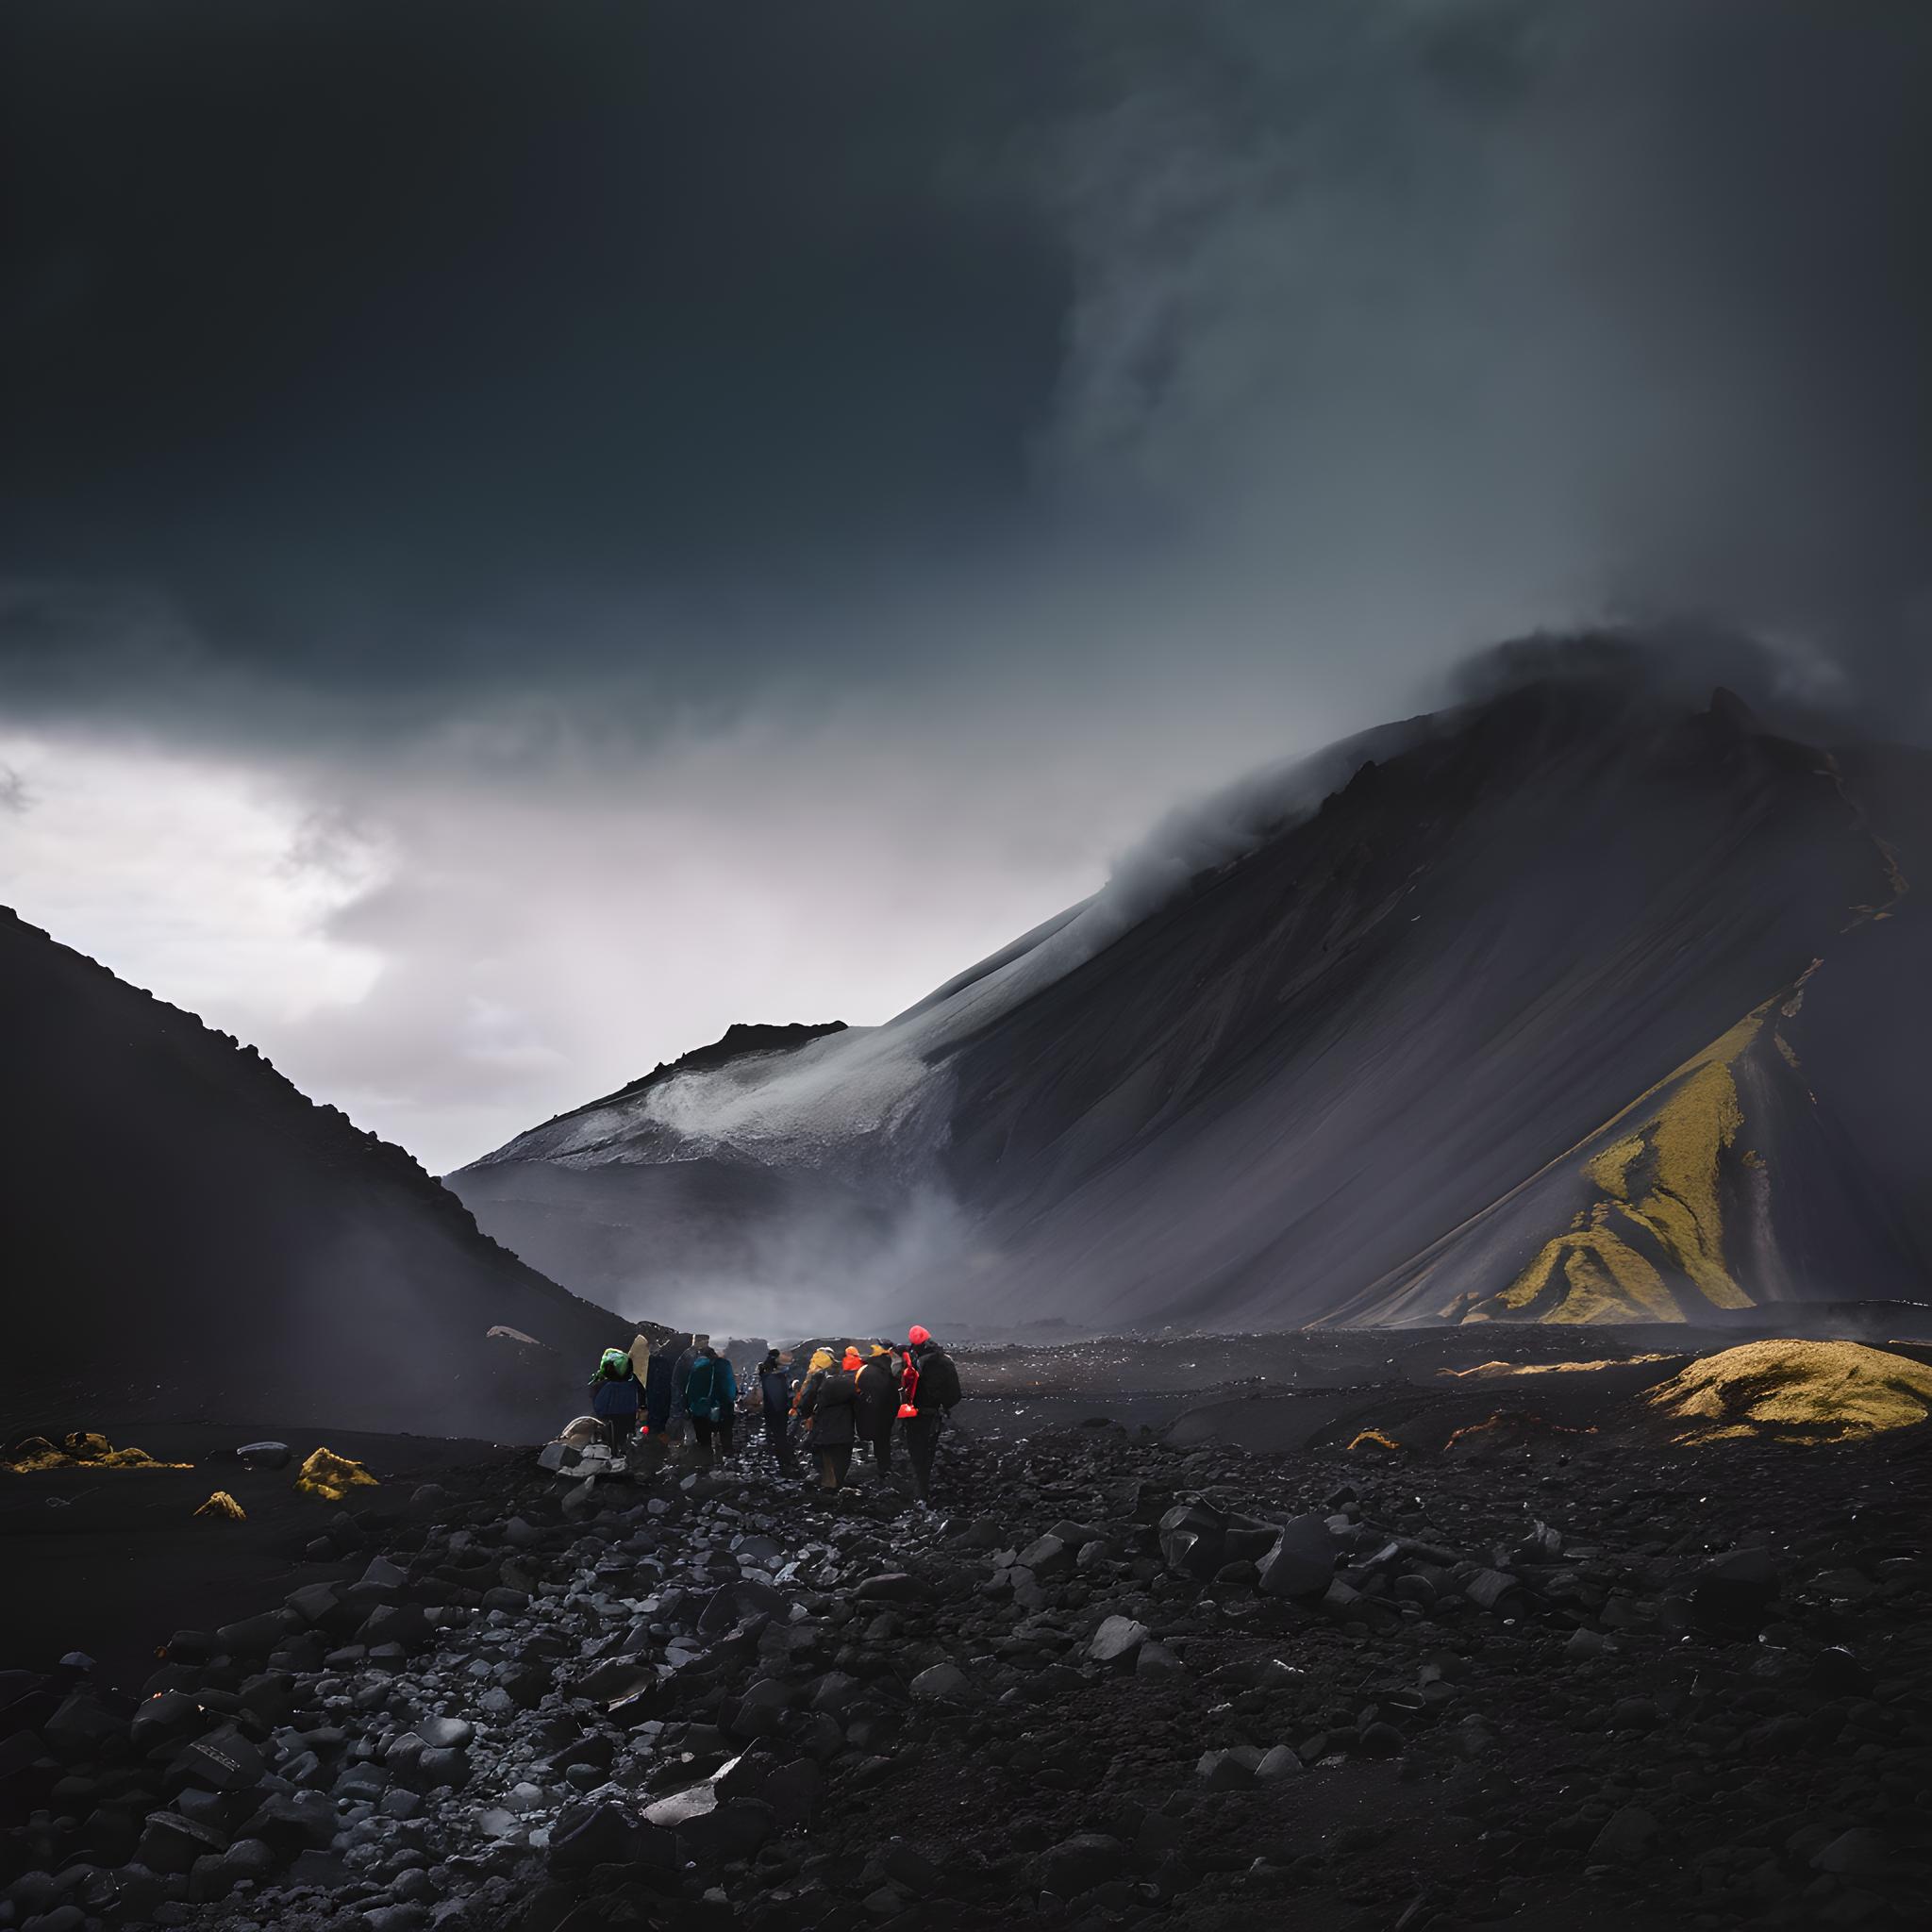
point(1272, 1393)
point(109, 1560)
point(1567, 1680)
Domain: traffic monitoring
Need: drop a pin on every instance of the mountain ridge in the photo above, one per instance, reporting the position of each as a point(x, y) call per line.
point(1265, 1094)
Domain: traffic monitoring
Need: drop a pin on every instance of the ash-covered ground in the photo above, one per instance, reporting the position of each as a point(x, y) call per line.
point(1368, 1642)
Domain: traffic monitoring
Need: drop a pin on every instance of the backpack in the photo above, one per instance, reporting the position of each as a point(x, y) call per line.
point(701, 1392)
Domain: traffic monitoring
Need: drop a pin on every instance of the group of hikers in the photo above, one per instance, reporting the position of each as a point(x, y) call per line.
point(847, 1399)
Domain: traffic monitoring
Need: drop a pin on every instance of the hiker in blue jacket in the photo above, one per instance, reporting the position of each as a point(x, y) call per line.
point(616, 1395)
point(711, 1396)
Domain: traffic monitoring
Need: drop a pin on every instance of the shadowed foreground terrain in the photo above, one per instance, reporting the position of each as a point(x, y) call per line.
point(1484, 1644)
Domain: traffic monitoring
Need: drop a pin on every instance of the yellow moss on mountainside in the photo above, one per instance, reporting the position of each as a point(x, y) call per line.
point(1795, 1391)
point(1610, 1170)
point(223, 1508)
point(1693, 1129)
point(1596, 1277)
point(1661, 1183)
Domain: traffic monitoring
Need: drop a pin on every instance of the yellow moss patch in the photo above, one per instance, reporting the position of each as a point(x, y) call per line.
point(84, 1449)
point(332, 1477)
point(1621, 1361)
point(1795, 1391)
point(1509, 1428)
point(223, 1507)
point(1611, 1169)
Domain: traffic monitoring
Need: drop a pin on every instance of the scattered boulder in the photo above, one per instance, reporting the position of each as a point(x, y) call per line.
point(1078, 1865)
point(1116, 1639)
point(1301, 1560)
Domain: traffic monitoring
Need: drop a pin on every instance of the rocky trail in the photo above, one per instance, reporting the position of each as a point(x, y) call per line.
point(1546, 1680)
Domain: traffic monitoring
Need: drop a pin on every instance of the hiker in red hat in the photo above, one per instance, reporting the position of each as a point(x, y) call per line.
point(928, 1392)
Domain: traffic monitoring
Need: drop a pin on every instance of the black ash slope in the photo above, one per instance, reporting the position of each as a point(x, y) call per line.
point(187, 1234)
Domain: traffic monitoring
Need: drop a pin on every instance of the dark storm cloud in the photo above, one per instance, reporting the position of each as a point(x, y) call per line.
point(328, 317)
point(385, 349)
point(593, 521)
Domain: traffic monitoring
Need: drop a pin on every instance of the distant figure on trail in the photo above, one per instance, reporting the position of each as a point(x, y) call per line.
point(774, 1403)
point(878, 1403)
point(830, 1399)
point(616, 1395)
point(710, 1395)
point(680, 1374)
point(929, 1393)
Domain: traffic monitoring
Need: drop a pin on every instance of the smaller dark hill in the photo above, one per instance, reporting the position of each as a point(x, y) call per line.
point(186, 1234)
point(739, 1039)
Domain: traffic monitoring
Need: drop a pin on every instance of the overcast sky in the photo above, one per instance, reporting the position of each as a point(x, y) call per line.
point(530, 533)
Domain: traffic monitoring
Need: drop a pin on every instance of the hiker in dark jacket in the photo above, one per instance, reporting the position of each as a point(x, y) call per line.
point(616, 1395)
point(711, 1394)
point(680, 1374)
point(774, 1399)
point(929, 1393)
point(878, 1403)
point(831, 1401)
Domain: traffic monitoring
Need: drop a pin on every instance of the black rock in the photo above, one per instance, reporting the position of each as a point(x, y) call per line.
point(252, 1636)
point(1077, 1864)
point(587, 1836)
point(171, 1843)
point(1301, 1560)
point(894, 1587)
point(165, 1720)
point(795, 1792)
point(1192, 1540)
point(1117, 1640)
point(223, 1760)
point(290, 1823)
point(405, 1624)
point(1047, 1556)
point(1731, 1594)
point(319, 1868)
point(1628, 1835)
point(439, 1770)
point(734, 1829)
point(81, 1727)
point(1838, 1674)
point(908, 1867)
point(734, 1603)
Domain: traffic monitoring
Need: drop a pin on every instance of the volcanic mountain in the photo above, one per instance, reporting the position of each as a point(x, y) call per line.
point(187, 1235)
point(1577, 1002)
